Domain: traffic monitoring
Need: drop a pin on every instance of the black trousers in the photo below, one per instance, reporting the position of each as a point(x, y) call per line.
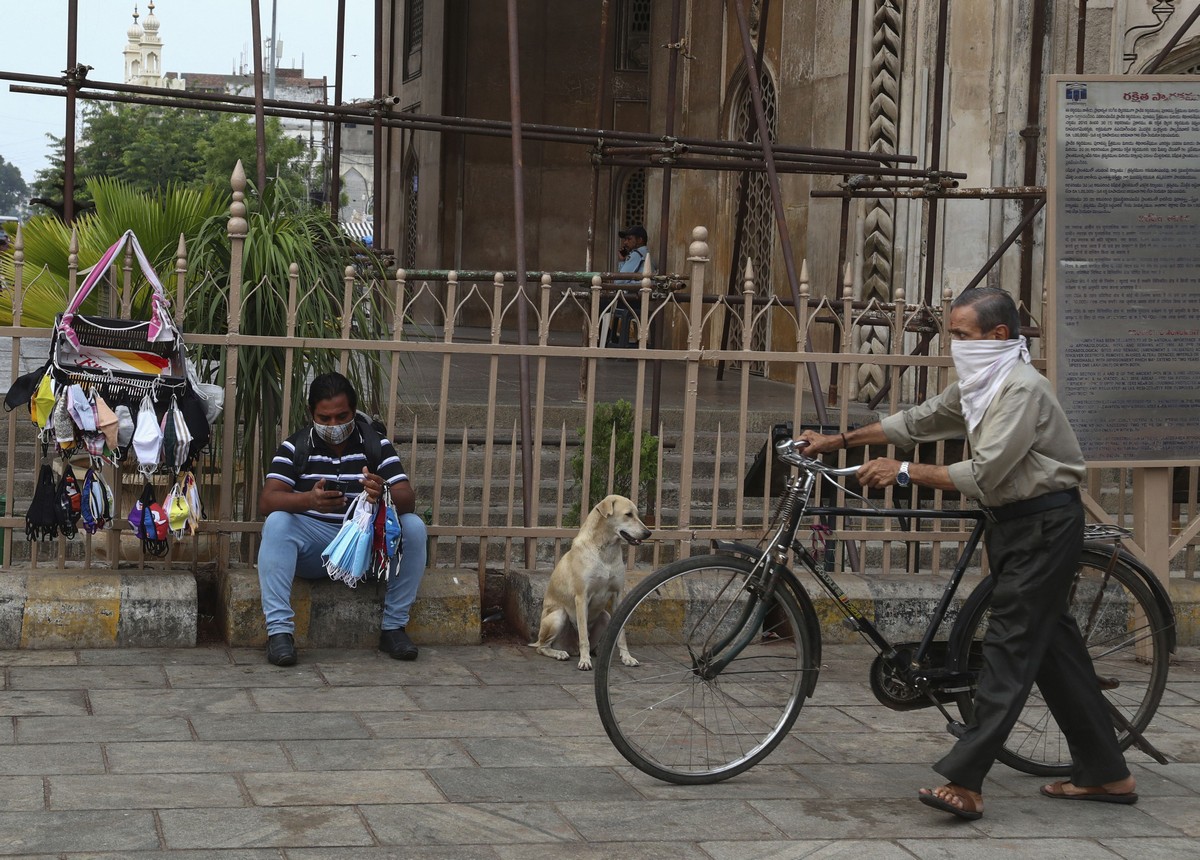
point(1033, 638)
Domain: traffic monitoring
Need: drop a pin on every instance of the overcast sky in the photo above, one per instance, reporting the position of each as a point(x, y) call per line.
point(198, 36)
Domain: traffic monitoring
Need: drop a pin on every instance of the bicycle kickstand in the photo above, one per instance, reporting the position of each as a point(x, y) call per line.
point(1139, 740)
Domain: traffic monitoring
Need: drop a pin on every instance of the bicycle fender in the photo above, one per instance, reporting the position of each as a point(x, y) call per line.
point(1101, 553)
point(811, 622)
point(1098, 554)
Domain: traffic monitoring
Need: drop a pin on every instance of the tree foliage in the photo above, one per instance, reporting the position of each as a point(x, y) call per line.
point(149, 148)
point(14, 193)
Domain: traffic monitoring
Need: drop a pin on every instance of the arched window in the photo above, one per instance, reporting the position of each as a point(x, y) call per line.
point(633, 198)
point(633, 36)
point(758, 232)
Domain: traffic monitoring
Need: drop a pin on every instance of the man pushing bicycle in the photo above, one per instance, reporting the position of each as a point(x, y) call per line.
point(1024, 470)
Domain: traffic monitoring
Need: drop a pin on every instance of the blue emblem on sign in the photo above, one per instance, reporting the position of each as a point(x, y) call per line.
point(1076, 92)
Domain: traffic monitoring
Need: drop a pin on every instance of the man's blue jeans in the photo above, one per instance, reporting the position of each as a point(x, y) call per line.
point(292, 545)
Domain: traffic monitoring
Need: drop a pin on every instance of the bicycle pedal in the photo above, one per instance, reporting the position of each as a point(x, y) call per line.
point(956, 728)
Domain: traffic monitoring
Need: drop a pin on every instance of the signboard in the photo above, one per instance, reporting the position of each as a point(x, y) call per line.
point(1123, 263)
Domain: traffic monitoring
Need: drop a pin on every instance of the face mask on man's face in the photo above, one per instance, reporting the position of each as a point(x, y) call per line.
point(334, 434)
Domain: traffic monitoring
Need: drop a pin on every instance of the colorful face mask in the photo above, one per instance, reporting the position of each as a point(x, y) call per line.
point(334, 434)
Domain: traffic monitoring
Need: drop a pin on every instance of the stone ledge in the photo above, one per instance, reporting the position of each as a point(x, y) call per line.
point(330, 615)
point(899, 605)
point(50, 608)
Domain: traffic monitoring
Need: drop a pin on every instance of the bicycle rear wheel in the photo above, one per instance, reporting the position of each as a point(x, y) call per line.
point(1125, 631)
point(665, 716)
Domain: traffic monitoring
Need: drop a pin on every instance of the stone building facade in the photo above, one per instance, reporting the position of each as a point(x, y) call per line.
point(450, 196)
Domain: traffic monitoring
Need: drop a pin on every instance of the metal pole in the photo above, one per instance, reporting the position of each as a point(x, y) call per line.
point(377, 108)
point(274, 54)
point(839, 160)
point(1081, 36)
point(69, 130)
point(935, 155)
point(785, 240)
point(335, 168)
point(597, 119)
point(664, 218)
point(260, 127)
point(514, 94)
point(742, 207)
point(594, 199)
point(1031, 133)
point(844, 226)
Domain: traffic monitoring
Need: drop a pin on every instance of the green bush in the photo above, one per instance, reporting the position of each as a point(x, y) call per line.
point(612, 424)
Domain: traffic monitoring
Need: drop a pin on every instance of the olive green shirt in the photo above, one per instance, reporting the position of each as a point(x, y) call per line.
point(1024, 447)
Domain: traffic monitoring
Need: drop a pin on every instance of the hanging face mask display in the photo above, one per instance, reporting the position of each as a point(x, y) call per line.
point(334, 434)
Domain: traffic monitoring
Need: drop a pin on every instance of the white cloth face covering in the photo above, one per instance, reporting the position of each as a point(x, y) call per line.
point(982, 366)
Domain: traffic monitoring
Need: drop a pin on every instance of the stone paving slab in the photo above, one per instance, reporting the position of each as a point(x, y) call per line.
point(493, 752)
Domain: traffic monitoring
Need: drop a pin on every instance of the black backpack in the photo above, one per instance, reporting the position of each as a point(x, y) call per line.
point(373, 433)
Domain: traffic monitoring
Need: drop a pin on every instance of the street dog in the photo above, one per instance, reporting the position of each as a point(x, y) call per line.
point(589, 579)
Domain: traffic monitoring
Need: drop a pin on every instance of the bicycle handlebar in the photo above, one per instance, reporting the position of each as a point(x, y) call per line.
point(789, 451)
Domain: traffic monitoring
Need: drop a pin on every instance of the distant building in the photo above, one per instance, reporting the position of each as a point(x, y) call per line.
point(143, 55)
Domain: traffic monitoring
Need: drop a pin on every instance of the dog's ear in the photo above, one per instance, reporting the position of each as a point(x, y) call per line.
point(605, 507)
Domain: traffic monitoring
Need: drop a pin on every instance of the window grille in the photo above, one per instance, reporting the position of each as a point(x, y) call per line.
point(633, 202)
point(758, 234)
point(411, 185)
point(633, 36)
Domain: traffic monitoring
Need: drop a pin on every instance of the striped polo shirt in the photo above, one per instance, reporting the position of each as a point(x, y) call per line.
point(345, 469)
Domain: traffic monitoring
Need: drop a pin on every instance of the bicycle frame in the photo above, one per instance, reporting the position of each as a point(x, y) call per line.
point(863, 624)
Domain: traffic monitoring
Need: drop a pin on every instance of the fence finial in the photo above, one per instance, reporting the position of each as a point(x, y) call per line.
point(848, 281)
point(237, 227)
point(804, 284)
point(748, 278)
point(698, 250)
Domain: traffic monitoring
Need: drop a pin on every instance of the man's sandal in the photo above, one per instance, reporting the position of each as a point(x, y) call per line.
point(1098, 793)
point(967, 807)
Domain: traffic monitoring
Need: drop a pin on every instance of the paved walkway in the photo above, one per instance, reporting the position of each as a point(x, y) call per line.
point(495, 752)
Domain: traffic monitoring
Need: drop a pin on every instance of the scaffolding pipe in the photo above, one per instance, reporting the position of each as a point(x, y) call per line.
point(664, 219)
point(335, 167)
point(597, 119)
point(743, 202)
point(69, 131)
point(514, 96)
point(377, 117)
point(785, 240)
point(844, 223)
point(1031, 134)
point(260, 122)
point(578, 134)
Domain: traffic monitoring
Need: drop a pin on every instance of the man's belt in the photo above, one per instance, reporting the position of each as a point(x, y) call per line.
point(1027, 507)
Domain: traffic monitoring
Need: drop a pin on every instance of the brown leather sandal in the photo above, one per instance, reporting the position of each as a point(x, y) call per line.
point(970, 809)
point(1098, 793)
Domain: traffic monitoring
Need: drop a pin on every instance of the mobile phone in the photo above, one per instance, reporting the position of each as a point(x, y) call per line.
point(344, 487)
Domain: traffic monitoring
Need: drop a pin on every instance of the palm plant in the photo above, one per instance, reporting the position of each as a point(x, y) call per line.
point(158, 220)
point(281, 231)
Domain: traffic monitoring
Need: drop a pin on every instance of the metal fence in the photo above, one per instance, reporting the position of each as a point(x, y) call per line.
point(452, 402)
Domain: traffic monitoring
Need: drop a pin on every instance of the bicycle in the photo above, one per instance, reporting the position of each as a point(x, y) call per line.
point(730, 646)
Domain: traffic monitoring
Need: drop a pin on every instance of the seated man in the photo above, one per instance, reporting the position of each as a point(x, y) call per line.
point(305, 501)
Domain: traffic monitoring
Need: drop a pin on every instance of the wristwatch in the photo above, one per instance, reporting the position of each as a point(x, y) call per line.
point(902, 478)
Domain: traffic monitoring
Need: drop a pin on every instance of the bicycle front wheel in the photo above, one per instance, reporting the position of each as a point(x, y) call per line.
point(1126, 633)
point(670, 716)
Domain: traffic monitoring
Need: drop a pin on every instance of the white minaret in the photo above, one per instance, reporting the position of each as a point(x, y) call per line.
point(133, 51)
point(143, 54)
point(151, 46)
